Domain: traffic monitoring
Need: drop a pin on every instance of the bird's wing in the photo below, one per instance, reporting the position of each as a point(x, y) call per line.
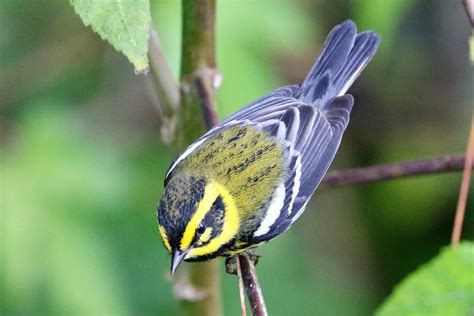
point(312, 137)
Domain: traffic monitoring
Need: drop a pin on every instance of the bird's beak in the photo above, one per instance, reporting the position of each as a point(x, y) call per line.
point(176, 259)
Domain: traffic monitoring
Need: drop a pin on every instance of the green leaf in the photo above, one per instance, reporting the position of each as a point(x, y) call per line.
point(444, 286)
point(123, 23)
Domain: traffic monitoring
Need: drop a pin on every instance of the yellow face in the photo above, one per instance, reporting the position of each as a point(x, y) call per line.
point(196, 228)
point(230, 225)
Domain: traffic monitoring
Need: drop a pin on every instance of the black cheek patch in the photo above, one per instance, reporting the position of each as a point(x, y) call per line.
point(215, 218)
point(218, 204)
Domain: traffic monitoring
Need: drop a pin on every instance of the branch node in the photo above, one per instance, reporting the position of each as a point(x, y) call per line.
point(231, 262)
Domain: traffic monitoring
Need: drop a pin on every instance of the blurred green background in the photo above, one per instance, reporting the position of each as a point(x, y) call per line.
point(82, 164)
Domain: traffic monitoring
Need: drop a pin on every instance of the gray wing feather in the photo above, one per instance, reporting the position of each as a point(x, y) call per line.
point(319, 153)
point(333, 57)
point(291, 119)
point(307, 119)
point(315, 158)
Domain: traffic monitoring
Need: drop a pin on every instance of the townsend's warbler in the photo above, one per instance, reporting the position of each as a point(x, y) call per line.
point(250, 177)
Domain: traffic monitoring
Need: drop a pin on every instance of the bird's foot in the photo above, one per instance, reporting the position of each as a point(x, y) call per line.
point(231, 262)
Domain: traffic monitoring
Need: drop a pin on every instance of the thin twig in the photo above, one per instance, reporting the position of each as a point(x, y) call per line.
point(469, 7)
point(243, 307)
point(402, 169)
point(463, 192)
point(166, 84)
point(165, 89)
point(204, 91)
point(252, 286)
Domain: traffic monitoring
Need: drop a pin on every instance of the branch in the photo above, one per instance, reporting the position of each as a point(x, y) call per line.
point(196, 101)
point(464, 191)
point(198, 46)
point(402, 169)
point(252, 286)
point(241, 288)
point(199, 78)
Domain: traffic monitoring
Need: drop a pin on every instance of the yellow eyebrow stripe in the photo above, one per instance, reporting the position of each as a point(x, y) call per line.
point(165, 238)
point(229, 228)
point(211, 193)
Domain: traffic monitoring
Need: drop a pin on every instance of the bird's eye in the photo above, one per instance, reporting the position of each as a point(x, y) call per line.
point(200, 230)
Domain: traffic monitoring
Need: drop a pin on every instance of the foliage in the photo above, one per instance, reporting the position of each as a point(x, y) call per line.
point(123, 23)
point(444, 286)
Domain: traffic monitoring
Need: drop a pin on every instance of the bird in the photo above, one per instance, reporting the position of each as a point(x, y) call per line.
point(250, 177)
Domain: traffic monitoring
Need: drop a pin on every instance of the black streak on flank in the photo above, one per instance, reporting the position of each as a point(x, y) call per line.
point(251, 181)
point(215, 218)
point(218, 204)
point(250, 160)
point(240, 133)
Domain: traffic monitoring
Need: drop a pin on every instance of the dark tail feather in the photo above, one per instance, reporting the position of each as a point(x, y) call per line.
point(334, 54)
point(345, 54)
point(364, 49)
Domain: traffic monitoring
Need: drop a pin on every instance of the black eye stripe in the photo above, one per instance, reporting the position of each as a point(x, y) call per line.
point(218, 203)
point(201, 229)
point(212, 218)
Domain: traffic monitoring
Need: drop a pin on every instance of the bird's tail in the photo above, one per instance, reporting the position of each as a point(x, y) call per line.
point(344, 55)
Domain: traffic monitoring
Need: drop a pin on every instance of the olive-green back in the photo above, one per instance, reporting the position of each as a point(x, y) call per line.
point(247, 161)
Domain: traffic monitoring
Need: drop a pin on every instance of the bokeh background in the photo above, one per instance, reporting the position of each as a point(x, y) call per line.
point(82, 164)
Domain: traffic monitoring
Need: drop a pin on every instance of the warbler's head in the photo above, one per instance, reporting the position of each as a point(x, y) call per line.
point(196, 216)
